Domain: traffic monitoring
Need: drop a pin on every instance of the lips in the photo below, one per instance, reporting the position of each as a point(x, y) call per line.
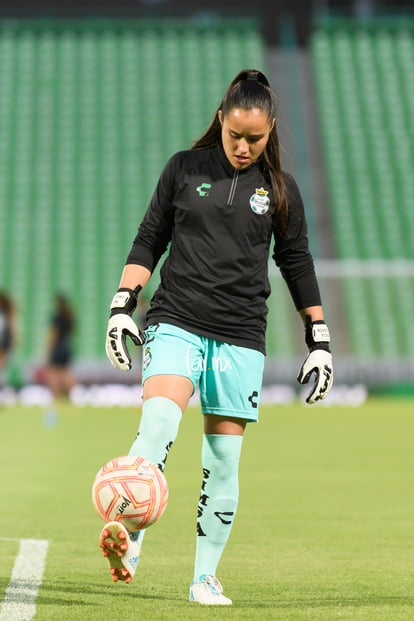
point(240, 159)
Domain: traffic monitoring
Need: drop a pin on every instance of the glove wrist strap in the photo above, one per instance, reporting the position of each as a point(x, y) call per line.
point(125, 300)
point(317, 334)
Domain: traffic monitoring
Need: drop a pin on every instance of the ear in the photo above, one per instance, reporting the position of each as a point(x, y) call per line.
point(220, 116)
point(273, 124)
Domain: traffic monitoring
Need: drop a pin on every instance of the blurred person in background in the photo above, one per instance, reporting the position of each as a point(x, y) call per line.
point(217, 208)
point(7, 332)
point(59, 375)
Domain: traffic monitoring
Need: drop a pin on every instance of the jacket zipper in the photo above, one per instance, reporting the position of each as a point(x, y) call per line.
point(233, 186)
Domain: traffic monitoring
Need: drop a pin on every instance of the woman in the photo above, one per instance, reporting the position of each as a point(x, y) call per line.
point(59, 375)
point(219, 204)
point(7, 331)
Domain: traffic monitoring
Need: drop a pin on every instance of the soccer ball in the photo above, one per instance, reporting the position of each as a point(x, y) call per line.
point(130, 490)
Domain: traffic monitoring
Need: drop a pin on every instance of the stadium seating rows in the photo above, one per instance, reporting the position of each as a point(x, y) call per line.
point(90, 112)
point(363, 74)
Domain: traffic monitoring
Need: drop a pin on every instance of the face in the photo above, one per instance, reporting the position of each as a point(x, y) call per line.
point(244, 135)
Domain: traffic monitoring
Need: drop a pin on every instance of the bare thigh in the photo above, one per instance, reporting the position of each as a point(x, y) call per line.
point(175, 387)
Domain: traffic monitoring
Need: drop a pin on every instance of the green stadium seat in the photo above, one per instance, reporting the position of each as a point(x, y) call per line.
point(365, 90)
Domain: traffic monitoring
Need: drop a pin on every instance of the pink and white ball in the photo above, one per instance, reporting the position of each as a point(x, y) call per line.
point(131, 490)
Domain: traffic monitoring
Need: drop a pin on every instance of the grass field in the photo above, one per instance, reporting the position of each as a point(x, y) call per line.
point(325, 527)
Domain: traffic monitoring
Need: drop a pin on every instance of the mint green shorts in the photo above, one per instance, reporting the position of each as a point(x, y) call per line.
point(229, 377)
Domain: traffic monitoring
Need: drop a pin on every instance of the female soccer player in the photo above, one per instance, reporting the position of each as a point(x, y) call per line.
point(218, 205)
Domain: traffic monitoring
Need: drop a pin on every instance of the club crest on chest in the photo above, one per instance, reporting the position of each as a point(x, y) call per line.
point(260, 202)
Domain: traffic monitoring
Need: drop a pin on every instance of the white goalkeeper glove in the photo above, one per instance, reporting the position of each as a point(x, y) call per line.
point(121, 325)
point(318, 361)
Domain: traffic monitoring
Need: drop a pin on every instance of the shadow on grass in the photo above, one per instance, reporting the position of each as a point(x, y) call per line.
point(63, 593)
point(89, 594)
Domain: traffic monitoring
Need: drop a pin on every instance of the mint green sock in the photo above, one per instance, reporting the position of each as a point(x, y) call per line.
point(218, 500)
point(157, 431)
point(158, 428)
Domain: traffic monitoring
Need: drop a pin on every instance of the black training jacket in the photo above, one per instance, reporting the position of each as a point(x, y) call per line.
point(214, 280)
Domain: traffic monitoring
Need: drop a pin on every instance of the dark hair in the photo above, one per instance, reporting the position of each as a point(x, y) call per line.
point(251, 89)
point(64, 306)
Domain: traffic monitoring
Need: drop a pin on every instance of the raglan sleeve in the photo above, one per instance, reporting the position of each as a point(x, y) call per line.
point(292, 254)
point(155, 230)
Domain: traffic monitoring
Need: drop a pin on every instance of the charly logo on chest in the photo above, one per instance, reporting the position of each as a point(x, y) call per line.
point(203, 189)
point(260, 202)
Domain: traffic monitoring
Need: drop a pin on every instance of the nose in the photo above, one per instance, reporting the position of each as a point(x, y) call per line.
point(243, 146)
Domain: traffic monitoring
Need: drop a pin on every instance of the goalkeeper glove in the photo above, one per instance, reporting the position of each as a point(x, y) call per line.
point(121, 325)
point(318, 361)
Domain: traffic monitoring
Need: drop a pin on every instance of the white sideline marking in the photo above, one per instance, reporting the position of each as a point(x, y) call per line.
point(19, 599)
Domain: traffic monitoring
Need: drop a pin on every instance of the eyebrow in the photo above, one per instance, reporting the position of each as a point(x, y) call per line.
point(237, 135)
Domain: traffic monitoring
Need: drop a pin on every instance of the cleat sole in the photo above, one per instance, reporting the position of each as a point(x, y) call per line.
point(114, 546)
